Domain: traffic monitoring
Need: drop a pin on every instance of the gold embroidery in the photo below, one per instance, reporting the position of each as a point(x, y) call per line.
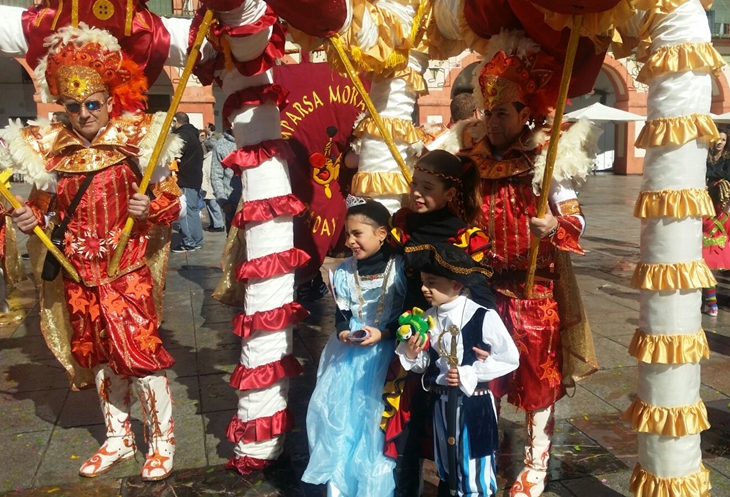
point(569, 207)
point(169, 185)
point(458, 270)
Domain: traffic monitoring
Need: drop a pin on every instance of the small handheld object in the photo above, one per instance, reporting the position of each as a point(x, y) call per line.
point(358, 335)
point(414, 322)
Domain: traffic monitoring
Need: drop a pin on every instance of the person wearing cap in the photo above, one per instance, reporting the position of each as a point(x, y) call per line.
point(111, 323)
point(446, 271)
point(516, 88)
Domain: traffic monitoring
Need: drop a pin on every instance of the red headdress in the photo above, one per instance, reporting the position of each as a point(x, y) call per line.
point(83, 61)
point(515, 70)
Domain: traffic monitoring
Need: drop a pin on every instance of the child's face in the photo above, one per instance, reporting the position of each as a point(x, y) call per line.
point(362, 238)
point(439, 290)
point(428, 192)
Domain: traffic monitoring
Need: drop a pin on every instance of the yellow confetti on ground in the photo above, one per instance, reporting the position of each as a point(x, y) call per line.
point(52, 490)
point(74, 457)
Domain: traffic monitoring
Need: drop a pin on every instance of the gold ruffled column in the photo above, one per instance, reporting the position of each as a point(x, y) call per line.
point(668, 412)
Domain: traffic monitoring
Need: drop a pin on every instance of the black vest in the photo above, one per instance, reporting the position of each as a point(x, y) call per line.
point(477, 411)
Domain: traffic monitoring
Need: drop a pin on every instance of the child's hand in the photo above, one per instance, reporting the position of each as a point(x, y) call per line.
point(375, 336)
point(481, 354)
point(452, 377)
point(414, 346)
point(342, 337)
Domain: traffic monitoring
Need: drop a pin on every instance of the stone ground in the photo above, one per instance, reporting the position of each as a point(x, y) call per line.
point(46, 430)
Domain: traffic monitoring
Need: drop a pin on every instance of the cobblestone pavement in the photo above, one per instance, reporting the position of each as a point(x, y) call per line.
point(46, 430)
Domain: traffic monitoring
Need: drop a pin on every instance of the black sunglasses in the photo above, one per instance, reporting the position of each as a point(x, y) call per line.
point(75, 107)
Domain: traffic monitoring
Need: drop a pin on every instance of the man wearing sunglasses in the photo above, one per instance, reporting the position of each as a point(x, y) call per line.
point(87, 175)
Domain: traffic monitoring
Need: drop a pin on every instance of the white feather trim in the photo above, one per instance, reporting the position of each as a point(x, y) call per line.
point(172, 149)
point(577, 151)
point(80, 36)
point(509, 42)
point(25, 158)
point(453, 140)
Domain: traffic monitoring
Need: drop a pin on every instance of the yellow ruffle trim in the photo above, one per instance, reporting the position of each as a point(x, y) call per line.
point(645, 484)
point(669, 349)
point(399, 129)
point(681, 58)
point(674, 203)
point(678, 276)
point(369, 184)
point(677, 131)
point(594, 23)
point(667, 421)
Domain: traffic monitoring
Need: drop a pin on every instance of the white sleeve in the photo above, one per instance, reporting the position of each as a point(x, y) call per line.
point(560, 191)
point(503, 358)
point(12, 39)
point(417, 365)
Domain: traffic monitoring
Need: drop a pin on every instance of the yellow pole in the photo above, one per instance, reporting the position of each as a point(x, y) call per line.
point(42, 236)
point(189, 64)
point(355, 77)
point(552, 152)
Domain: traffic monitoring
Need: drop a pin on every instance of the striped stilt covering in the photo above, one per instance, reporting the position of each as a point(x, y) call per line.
point(249, 39)
point(668, 412)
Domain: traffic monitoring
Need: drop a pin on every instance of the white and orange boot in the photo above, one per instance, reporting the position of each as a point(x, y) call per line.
point(532, 479)
point(154, 393)
point(119, 445)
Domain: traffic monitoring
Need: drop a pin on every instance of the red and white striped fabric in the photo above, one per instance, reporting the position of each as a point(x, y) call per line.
point(249, 39)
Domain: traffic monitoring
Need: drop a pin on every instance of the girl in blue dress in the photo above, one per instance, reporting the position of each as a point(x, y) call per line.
point(343, 418)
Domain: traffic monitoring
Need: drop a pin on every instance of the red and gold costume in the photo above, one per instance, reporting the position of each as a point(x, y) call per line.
point(515, 72)
point(108, 327)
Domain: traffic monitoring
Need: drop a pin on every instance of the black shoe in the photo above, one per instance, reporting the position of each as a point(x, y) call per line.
point(181, 250)
point(215, 230)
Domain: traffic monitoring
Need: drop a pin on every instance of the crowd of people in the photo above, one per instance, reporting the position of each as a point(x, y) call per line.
point(455, 259)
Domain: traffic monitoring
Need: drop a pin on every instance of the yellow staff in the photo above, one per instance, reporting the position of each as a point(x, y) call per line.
point(189, 64)
point(552, 152)
point(42, 236)
point(384, 132)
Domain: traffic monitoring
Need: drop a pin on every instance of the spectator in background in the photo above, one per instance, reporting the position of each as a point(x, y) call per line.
point(226, 186)
point(463, 106)
point(190, 180)
point(211, 204)
point(61, 117)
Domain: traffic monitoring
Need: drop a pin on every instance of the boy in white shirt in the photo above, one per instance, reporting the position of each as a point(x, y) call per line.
point(445, 272)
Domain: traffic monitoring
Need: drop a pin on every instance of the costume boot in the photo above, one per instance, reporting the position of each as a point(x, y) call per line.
point(531, 480)
point(154, 394)
point(119, 445)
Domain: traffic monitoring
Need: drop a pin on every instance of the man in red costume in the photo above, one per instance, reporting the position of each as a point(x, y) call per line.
point(101, 159)
point(514, 88)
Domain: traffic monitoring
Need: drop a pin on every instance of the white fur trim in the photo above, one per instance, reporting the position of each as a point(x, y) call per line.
point(25, 158)
point(509, 42)
point(577, 150)
point(172, 148)
point(453, 140)
point(80, 36)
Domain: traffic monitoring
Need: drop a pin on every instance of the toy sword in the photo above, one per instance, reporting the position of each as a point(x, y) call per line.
point(452, 405)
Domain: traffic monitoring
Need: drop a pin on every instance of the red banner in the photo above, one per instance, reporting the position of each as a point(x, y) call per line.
point(317, 124)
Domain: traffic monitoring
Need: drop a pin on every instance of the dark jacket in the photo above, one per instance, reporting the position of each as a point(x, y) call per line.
point(190, 165)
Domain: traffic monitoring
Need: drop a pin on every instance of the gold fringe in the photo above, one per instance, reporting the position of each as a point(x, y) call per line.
point(677, 131)
point(645, 484)
point(674, 203)
point(667, 421)
point(681, 275)
point(681, 58)
point(669, 349)
point(390, 183)
point(400, 129)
